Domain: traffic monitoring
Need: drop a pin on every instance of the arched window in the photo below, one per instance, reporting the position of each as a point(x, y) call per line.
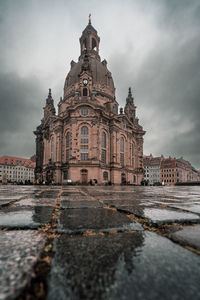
point(103, 142)
point(132, 155)
point(68, 146)
point(52, 149)
point(121, 144)
point(84, 135)
point(85, 92)
point(67, 139)
point(84, 143)
point(122, 151)
point(103, 145)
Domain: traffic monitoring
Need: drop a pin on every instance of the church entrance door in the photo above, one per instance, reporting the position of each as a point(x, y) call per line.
point(84, 176)
point(123, 178)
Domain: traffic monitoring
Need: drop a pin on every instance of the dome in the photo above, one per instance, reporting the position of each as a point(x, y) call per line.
point(100, 73)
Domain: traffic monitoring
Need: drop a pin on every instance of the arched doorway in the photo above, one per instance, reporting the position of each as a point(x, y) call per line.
point(84, 176)
point(123, 178)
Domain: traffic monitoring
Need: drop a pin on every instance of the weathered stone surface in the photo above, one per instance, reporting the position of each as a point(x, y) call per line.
point(188, 235)
point(36, 202)
point(161, 215)
point(80, 204)
point(195, 208)
point(25, 217)
point(123, 266)
point(18, 254)
point(96, 219)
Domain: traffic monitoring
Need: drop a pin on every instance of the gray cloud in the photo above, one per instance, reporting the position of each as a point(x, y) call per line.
point(152, 46)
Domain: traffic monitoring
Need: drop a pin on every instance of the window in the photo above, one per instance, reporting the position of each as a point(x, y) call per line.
point(122, 159)
point(121, 144)
point(68, 139)
point(65, 175)
point(52, 149)
point(84, 135)
point(85, 92)
point(103, 156)
point(68, 146)
point(105, 175)
point(67, 154)
point(103, 142)
point(84, 111)
point(84, 152)
point(115, 110)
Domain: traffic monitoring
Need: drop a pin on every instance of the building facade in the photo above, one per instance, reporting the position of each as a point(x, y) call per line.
point(152, 167)
point(16, 169)
point(88, 139)
point(177, 170)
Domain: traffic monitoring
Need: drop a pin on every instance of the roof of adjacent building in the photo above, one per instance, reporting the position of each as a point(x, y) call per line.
point(16, 161)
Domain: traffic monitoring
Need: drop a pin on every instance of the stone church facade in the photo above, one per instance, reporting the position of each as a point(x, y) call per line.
point(88, 138)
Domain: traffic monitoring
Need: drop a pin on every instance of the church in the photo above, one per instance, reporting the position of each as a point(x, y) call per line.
point(90, 138)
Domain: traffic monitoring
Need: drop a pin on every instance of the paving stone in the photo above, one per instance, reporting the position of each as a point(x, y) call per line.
point(195, 208)
point(25, 217)
point(75, 198)
point(123, 266)
point(36, 202)
point(188, 235)
point(17, 258)
point(95, 219)
point(161, 215)
point(80, 204)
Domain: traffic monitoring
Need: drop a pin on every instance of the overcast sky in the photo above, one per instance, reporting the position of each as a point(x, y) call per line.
point(151, 45)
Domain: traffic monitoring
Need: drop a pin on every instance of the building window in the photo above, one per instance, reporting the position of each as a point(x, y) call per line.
point(68, 139)
point(121, 144)
point(68, 146)
point(105, 175)
point(132, 154)
point(115, 110)
point(84, 135)
point(52, 149)
point(84, 111)
point(84, 152)
point(103, 156)
point(67, 154)
point(85, 92)
point(103, 142)
point(122, 159)
point(65, 175)
point(122, 151)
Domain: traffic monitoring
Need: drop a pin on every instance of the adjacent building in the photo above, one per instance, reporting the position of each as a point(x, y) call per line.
point(175, 170)
point(152, 169)
point(16, 169)
point(168, 171)
point(89, 138)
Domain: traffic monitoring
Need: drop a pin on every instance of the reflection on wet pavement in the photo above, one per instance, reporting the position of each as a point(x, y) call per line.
point(96, 219)
point(123, 266)
point(25, 217)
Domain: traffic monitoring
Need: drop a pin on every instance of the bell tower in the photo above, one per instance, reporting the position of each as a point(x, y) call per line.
point(130, 108)
point(89, 41)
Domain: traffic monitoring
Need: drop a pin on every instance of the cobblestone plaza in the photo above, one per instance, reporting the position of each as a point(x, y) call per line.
point(94, 242)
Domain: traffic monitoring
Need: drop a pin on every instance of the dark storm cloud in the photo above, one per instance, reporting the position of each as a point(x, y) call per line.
point(20, 113)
